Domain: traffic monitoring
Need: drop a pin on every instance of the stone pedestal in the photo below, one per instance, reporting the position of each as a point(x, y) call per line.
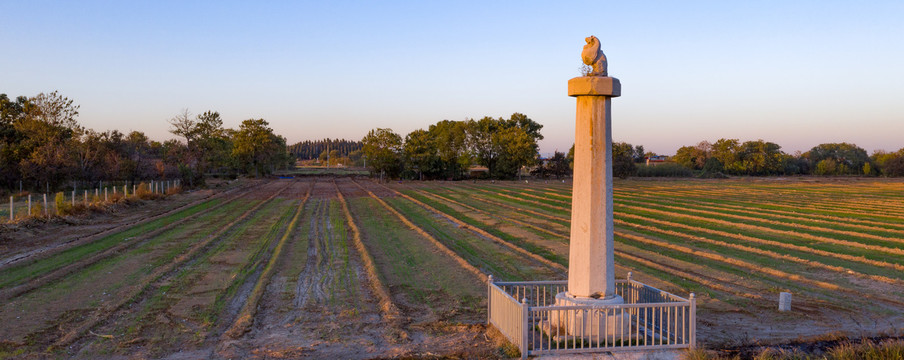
point(591, 324)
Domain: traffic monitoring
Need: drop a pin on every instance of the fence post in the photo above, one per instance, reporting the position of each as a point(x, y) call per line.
point(29, 205)
point(45, 204)
point(86, 197)
point(73, 197)
point(105, 194)
point(12, 215)
point(693, 324)
point(489, 294)
point(525, 330)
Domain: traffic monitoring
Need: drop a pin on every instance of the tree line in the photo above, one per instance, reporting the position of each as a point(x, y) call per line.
point(730, 156)
point(312, 150)
point(42, 145)
point(447, 149)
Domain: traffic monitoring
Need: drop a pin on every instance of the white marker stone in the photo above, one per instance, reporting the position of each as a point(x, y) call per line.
point(784, 301)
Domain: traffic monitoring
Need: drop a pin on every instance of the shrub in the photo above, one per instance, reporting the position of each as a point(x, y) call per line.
point(63, 207)
point(664, 170)
point(37, 210)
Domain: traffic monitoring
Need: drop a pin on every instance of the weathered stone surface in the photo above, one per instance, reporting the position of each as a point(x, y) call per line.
point(592, 55)
point(594, 85)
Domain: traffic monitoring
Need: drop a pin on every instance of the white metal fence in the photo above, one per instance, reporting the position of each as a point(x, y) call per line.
point(648, 319)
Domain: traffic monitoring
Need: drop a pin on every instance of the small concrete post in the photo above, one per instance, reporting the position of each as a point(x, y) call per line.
point(12, 216)
point(73, 197)
point(134, 189)
point(114, 190)
point(45, 204)
point(29, 205)
point(784, 301)
point(97, 192)
point(86, 197)
point(105, 195)
point(125, 190)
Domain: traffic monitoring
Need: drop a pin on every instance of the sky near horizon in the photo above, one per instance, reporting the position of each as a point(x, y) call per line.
point(795, 73)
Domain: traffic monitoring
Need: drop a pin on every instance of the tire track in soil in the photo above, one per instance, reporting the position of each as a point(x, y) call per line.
point(47, 251)
point(140, 290)
point(338, 317)
point(245, 318)
point(36, 283)
point(311, 285)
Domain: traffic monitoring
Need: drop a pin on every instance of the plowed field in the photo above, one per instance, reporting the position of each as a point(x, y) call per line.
point(349, 268)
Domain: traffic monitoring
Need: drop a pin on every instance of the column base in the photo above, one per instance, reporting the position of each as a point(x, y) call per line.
point(593, 322)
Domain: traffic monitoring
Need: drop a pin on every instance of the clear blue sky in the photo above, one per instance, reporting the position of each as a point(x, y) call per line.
point(795, 73)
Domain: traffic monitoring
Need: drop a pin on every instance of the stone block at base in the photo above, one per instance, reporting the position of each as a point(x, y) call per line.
point(594, 322)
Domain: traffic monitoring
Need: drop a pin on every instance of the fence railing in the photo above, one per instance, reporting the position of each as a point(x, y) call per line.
point(526, 313)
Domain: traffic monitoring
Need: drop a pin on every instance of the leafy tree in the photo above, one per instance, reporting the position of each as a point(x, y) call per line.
point(759, 158)
point(623, 164)
point(504, 146)
point(570, 157)
point(848, 158)
point(48, 129)
point(693, 157)
point(258, 148)
point(421, 155)
point(451, 139)
point(894, 167)
point(559, 166)
point(726, 151)
point(382, 150)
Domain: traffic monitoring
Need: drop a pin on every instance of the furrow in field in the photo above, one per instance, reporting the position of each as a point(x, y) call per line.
point(387, 307)
point(632, 251)
point(756, 240)
point(716, 215)
point(40, 274)
point(508, 219)
point(716, 285)
point(771, 214)
point(832, 207)
point(160, 272)
point(765, 206)
point(541, 205)
point(796, 234)
point(443, 248)
point(763, 241)
point(895, 251)
point(245, 318)
point(485, 234)
point(750, 249)
point(63, 245)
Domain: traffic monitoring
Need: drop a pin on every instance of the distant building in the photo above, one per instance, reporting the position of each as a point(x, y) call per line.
point(656, 160)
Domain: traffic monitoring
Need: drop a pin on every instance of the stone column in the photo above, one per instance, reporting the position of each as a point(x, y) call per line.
point(591, 265)
point(591, 271)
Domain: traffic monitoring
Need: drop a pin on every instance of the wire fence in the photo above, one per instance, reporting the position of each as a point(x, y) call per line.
point(31, 205)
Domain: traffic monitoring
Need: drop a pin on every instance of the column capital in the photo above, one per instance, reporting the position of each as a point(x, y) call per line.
point(594, 86)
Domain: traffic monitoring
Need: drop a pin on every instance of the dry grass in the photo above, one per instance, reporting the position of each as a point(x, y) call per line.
point(892, 349)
